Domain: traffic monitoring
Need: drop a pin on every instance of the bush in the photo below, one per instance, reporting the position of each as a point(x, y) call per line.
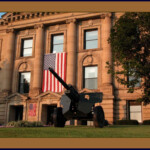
point(127, 122)
point(11, 124)
point(37, 124)
point(24, 124)
point(146, 122)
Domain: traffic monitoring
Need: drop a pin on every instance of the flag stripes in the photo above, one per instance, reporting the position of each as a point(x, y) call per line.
point(32, 109)
point(58, 62)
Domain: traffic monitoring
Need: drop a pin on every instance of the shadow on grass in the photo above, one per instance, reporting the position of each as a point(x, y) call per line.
point(124, 126)
point(109, 126)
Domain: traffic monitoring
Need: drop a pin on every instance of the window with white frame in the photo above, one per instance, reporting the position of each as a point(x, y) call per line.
point(26, 47)
point(91, 39)
point(90, 77)
point(57, 43)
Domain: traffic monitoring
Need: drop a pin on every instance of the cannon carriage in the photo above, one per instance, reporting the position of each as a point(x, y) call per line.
point(80, 106)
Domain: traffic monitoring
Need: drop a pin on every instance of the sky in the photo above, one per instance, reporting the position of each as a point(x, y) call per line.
point(1, 13)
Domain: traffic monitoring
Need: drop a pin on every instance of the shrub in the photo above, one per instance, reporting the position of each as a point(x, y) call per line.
point(146, 122)
point(24, 124)
point(127, 122)
point(37, 124)
point(11, 124)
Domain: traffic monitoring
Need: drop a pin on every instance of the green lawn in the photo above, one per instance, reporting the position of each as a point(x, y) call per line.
point(115, 131)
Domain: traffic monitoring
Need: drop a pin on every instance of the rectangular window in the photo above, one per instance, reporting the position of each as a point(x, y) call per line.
point(91, 39)
point(135, 111)
point(26, 49)
point(90, 77)
point(24, 82)
point(132, 77)
point(57, 43)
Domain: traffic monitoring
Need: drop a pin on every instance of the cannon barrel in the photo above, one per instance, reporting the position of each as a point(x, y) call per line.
point(71, 92)
point(59, 78)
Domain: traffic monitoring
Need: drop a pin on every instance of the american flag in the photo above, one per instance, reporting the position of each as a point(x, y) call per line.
point(58, 62)
point(32, 109)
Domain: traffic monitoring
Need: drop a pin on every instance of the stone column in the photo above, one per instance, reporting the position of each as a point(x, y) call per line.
point(107, 88)
point(107, 55)
point(71, 51)
point(38, 61)
point(9, 61)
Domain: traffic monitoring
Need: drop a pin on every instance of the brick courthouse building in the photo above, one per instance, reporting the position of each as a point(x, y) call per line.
point(25, 38)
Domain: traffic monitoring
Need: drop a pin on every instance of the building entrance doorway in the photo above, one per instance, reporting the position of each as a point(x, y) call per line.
point(47, 112)
point(16, 113)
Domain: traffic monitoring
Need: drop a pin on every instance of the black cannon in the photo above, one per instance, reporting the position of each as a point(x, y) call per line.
point(78, 106)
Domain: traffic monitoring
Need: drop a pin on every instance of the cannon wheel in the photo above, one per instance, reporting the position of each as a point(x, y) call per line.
point(58, 117)
point(98, 117)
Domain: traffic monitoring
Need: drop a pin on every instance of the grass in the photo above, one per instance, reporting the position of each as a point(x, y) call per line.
point(114, 131)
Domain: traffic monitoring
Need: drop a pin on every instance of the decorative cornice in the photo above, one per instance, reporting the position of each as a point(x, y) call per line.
point(68, 21)
point(10, 30)
point(57, 27)
point(23, 97)
point(57, 95)
point(17, 16)
point(109, 15)
point(90, 22)
point(103, 16)
point(38, 26)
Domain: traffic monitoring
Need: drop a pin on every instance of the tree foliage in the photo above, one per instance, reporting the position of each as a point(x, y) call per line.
point(130, 43)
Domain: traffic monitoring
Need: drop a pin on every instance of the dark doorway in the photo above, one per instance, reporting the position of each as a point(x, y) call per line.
point(47, 111)
point(84, 122)
point(16, 113)
point(50, 110)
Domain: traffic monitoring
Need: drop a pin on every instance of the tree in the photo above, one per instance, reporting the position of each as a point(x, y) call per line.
point(130, 43)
